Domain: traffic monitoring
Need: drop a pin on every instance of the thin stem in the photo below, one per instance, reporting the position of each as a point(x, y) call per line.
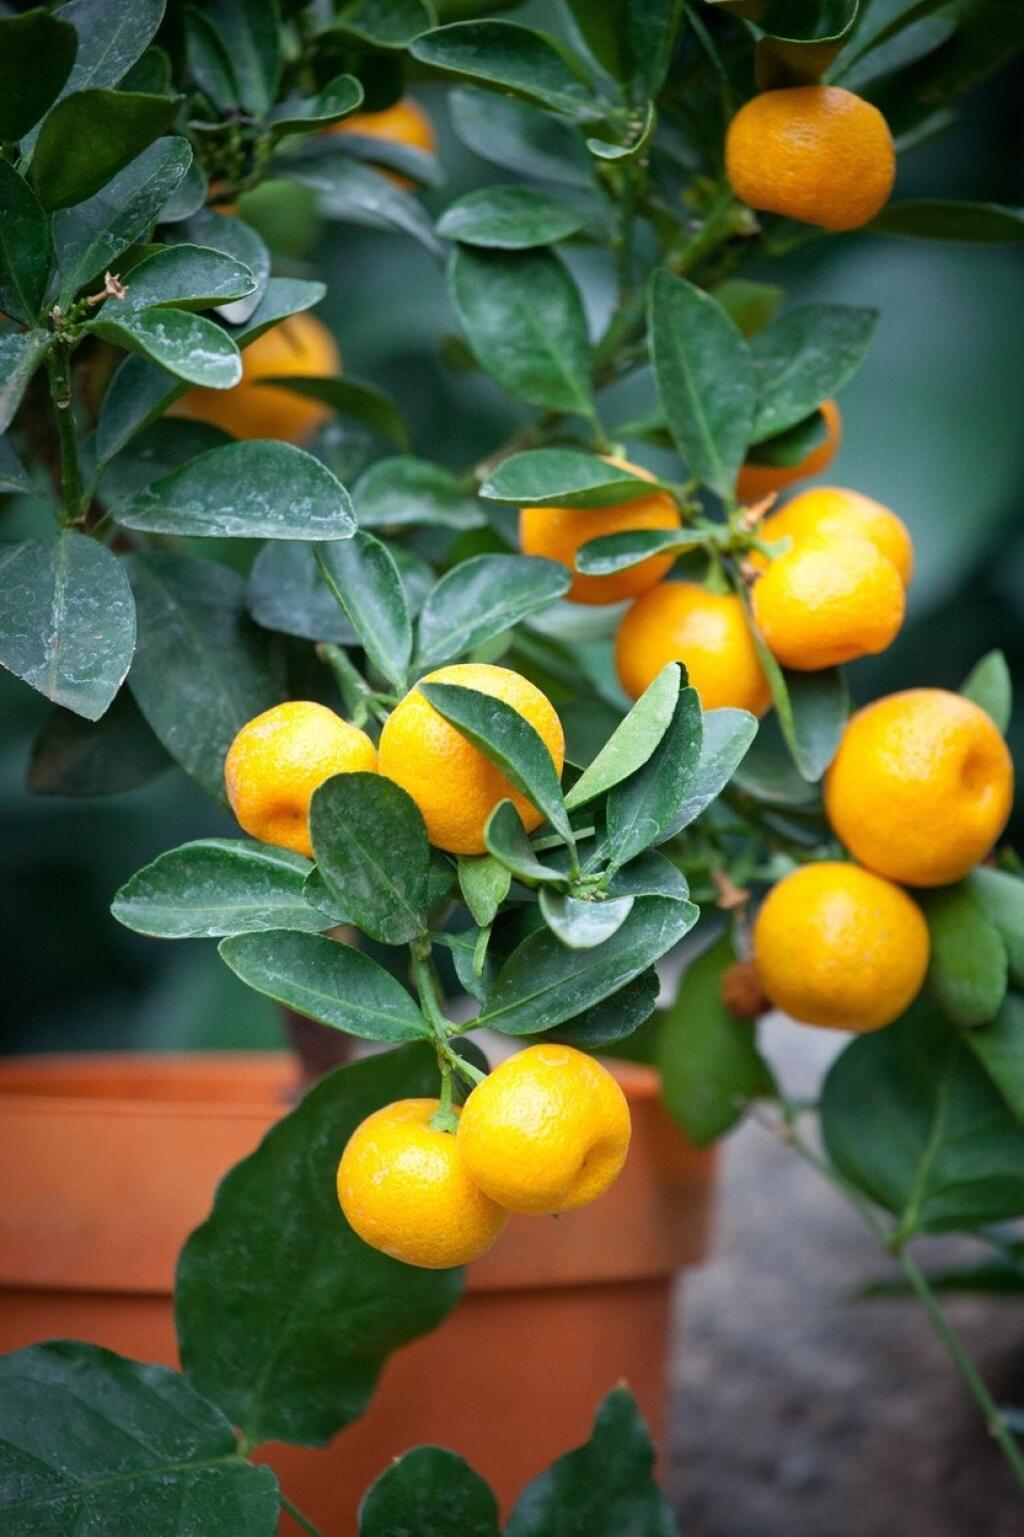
point(360, 699)
point(58, 367)
point(298, 1517)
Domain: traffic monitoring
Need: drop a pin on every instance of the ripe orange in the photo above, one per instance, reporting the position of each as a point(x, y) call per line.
point(812, 152)
point(756, 481)
point(828, 601)
point(707, 631)
point(827, 512)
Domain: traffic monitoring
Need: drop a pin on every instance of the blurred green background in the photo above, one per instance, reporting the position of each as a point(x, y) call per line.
point(932, 428)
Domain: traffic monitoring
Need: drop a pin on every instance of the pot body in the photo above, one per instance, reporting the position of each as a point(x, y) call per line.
point(111, 1161)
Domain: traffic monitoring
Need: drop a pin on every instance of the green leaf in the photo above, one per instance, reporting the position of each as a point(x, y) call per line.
point(999, 1047)
point(188, 346)
point(482, 597)
point(286, 592)
point(253, 490)
point(67, 621)
point(705, 380)
point(207, 61)
point(581, 924)
point(517, 136)
point(92, 235)
point(613, 1019)
point(1001, 897)
point(801, 40)
point(641, 130)
point(189, 277)
point(364, 579)
point(351, 397)
point(350, 190)
point(803, 358)
point(418, 166)
point(751, 305)
point(75, 757)
point(396, 492)
point(216, 887)
point(384, 23)
point(285, 1317)
point(708, 1059)
point(631, 43)
point(21, 353)
point(506, 839)
point(524, 321)
point(371, 849)
point(328, 981)
point(727, 734)
point(650, 875)
point(250, 29)
point(90, 136)
point(618, 552)
point(791, 447)
point(26, 244)
point(967, 968)
point(633, 740)
point(165, 445)
point(563, 477)
point(13, 474)
point(429, 1493)
point(508, 740)
point(90, 1441)
point(201, 668)
point(232, 237)
point(111, 37)
point(37, 51)
point(605, 1488)
point(188, 196)
point(936, 218)
point(484, 882)
point(910, 1118)
point(336, 100)
point(813, 708)
point(510, 218)
point(515, 60)
point(543, 984)
point(990, 685)
point(642, 808)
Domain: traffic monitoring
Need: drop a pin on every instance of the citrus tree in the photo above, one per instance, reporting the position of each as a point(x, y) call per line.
point(491, 734)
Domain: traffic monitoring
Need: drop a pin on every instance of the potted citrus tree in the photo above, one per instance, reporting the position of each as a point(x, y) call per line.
point(485, 734)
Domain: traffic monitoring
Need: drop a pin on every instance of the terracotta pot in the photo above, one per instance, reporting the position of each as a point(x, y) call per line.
point(112, 1160)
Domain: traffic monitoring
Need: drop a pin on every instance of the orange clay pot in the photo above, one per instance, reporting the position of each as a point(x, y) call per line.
point(112, 1160)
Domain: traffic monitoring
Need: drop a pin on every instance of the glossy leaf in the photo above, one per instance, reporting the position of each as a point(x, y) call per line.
point(429, 1493)
point(287, 592)
point(336, 100)
point(188, 196)
point(90, 136)
point(395, 492)
point(990, 685)
point(619, 552)
point(512, 134)
point(484, 882)
point(633, 740)
point(543, 984)
point(285, 1317)
point(705, 380)
point(190, 277)
point(216, 887)
point(933, 218)
point(201, 667)
point(708, 1059)
point(37, 51)
point(650, 875)
point(507, 841)
point(384, 23)
point(166, 444)
point(26, 244)
point(967, 968)
point(791, 447)
point(363, 577)
point(67, 621)
point(253, 490)
point(350, 397)
point(482, 597)
point(727, 734)
point(207, 61)
point(812, 707)
point(72, 756)
point(524, 321)
point(515, 60)
point(188, 346)
point(110, 38)
point(232, 237)
point(371, 849)
point(631, 43)
point(945, 1150)
point(21, 353)
point(642, 809)
point(999, 1047)
point(581, 924)
point(613, 1019)
point(563, 477)
point(90, 1440)
point(509, 218)
point(250, 29)
point(351, 190)
point(1001, 896)
point(803, 358)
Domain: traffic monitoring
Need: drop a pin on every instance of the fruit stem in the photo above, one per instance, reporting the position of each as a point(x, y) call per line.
point(444, 1117)
point(58, 367)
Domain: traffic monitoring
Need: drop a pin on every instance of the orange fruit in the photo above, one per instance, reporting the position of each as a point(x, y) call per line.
point(455, 787)
point(557, 533)
point(835, 945)
point(921, 786)
point(279, 758)
point(300, 345)
point(548, 1130)
point(403, 1187)
point(404, 123)
point(812, 152)
point(706, 631)
point(756, 481)
point(826, 512)
point(828, 601)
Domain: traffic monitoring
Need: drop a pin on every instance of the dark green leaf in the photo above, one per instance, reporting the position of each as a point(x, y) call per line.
point(506, 838)
point(336, 100)
point(791, 447)
point(803, 358)
point(190, 277)
point(208, 62)
point(254, 490)
point(727, 734)
point(618, 552)
point(523, 319)
point(166, 444)
point(395, 492)
point(650, 875)
point(416, 165)
point(484, 882)
point(579, 923)
point(812, 707)
point(480, 598)
point(705, 380)
point(75, 757)
point(384, 23)
point(90, 136)
point(911, 1119)
point(509, 218)
point(371, 849)
point(350, 190)
point(350, 397)
point(215, 887)
point(508, 740)
point(514, 60)
point(13, 475)
point(563, 477)
point(363, 577)
point(328, 981)
point(708, 1059)
point(67, 621)
point(91, 1441)
point(631, 43)
point(801, 40)
point(286, 592)
point(613, 1019)
point(187, 198)
point(990, 685)
point(188, 346)
point(967, 966)
point(1002, 897)
point(429, 1493)
point(233, 237)
point(999, 1047)
point(250, 29)
point(201, 667)
point(934, 218)
point(285, 1317)
point(26, 244)
point(21, 353)
point(517, 136)
point(605, 1488)
point(633, 740)
point(543, 984)
point(111, 37)
point(642, 809)
point(37, 51)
